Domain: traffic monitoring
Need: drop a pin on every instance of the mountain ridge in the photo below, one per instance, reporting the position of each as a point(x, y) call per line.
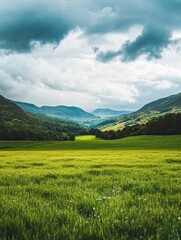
point(59, 111)
point(149, 111)
point(163, 104)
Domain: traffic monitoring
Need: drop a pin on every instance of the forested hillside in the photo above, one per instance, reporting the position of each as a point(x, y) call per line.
point(169, 124)
point(167, 104)
point(16, 124)
point(171, 104)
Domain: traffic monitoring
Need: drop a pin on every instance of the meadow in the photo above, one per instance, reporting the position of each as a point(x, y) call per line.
point(91, 189)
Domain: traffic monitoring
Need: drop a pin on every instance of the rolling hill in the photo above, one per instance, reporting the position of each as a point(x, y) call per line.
point(106, 112)
point(164, 104)
point(63, 112)
point(168, 124)
point(171, 104)
point(16, 124)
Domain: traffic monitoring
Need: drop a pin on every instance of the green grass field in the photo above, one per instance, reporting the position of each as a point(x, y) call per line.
point(91, 189)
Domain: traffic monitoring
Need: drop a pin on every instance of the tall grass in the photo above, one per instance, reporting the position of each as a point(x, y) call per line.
point(96, 192)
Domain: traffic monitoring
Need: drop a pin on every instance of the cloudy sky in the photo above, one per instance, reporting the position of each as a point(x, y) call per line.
point(90, 53)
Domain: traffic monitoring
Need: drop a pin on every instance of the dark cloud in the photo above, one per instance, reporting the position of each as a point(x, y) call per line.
point(170, 5)
point(23, 23)
point(19, 29)
point(159, 19)
point(108, 56)
point(151, 43)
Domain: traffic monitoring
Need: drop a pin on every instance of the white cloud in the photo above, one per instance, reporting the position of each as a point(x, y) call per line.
point(70, 74)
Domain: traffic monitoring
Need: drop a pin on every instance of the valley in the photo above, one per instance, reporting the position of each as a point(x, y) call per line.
point(90, 120)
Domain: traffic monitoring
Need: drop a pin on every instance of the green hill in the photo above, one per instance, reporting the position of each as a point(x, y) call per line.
point(9, 110)
point(168, 124)
point(16, 124)
point(171, 104)
point(164, 104)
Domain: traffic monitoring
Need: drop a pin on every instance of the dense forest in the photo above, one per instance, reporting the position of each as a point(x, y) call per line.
point(169, 124)
point(16, 124)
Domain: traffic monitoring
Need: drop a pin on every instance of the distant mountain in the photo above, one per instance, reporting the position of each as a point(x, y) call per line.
point(171, 104)
point(106, 112)
point(64, 112)
point(28, 107)
point(16, 124)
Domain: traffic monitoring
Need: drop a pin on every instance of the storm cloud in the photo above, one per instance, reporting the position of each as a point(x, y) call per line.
point(151, 43)
point(23, 24)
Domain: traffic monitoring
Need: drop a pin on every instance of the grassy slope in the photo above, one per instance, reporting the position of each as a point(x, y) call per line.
point(151, 110)
point(131, 119)
point(91, 191)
